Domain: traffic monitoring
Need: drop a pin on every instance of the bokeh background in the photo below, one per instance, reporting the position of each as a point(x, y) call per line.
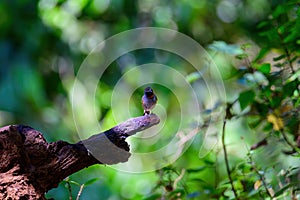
point(43, 44)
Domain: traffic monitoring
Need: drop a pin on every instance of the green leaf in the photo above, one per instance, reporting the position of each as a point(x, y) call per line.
point(283, 189)
point(75, 183)
point(246, 98)
point(264, 68)
point(279, 58)
point(175, 193)
point(263, 108)
point(199, 180)
point(152, 197)
point(262, 24)
point(242, 56)
point(268, 127)
point(275, 100)
point(209, 162)
point(199, 169)
point(246, 46)
point(261, 54)
point(290, 87)
point(91, 181)
point(295, 76)
point(291, 37)
point(297, 103)
point(281, 29)
point(279, 11)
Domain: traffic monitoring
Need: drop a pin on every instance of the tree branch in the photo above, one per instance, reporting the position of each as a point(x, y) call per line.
point(30, 166)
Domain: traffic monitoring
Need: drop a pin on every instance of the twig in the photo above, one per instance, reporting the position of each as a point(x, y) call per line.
point(216, 169)
point(286, 51)
point(69, 188)
point(178, 178)
point(261, 143)
point(228, 115)
point(80, 191)
point(294, 148)
point(226, 160)
point(261, 177)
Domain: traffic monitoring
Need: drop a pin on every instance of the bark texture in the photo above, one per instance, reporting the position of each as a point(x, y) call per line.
point(30, 166)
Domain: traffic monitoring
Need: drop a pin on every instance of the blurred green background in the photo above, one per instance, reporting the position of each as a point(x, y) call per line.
point(43, 43)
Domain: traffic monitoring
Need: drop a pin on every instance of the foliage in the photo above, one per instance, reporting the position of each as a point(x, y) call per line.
point(255, 45)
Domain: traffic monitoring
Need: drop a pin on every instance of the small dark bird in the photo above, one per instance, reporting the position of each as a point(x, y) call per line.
point(149, 100)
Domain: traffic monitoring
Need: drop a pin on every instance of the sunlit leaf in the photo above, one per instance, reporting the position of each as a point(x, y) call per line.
point(264, 68)
point(295, 76)
point(193, 77)
point(221, 46)
point(75, 183)
point(246, 46)
point(276, 121)
point(242, 56)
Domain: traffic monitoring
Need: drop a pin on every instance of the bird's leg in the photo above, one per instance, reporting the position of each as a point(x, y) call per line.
point(146, 112)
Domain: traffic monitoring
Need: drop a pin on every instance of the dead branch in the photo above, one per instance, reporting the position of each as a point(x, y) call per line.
point(30, 166)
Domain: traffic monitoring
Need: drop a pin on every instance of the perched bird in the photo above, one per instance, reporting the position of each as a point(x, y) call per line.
point(149, 100)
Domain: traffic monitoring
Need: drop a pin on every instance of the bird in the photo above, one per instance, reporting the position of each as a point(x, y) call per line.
point(149, 100)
